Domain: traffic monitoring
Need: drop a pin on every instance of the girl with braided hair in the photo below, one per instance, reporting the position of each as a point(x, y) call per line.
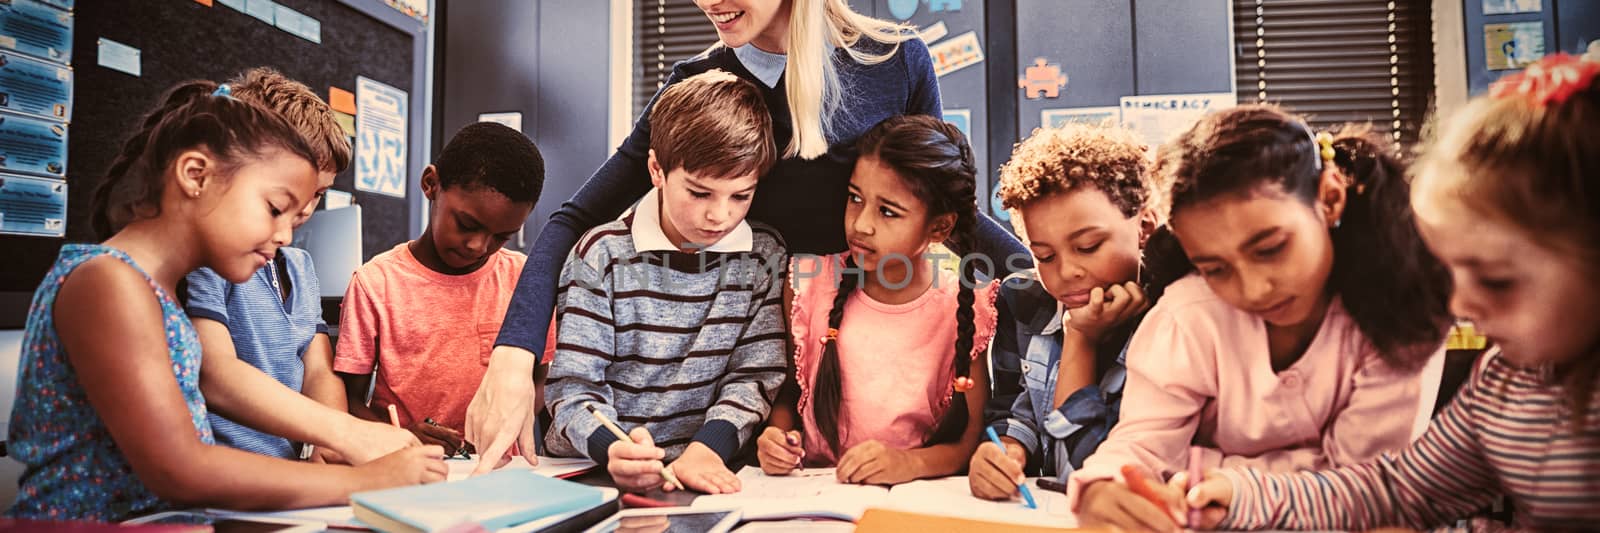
point(110, 422)
point(890, 388)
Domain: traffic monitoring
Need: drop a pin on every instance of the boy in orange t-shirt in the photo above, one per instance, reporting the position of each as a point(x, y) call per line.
point(422, 317)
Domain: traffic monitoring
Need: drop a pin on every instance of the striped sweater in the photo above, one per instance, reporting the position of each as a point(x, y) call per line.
point(1509, 431)
point(690, 346)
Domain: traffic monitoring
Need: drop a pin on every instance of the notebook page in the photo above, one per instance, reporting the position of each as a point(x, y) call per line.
point(952, 496)
point(806, 492)
point(548, 466)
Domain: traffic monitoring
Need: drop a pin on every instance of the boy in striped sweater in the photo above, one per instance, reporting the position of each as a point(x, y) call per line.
point(1509, 199)
point(670, 318)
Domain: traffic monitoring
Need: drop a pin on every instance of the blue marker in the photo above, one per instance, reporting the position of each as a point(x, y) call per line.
point(1027, 496)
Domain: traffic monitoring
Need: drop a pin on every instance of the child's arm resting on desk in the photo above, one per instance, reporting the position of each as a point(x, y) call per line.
point(1440, 478)
point(243, 393)
point(357, 353)
point(755, 372)
point(585, 341)
point(993, 471)
point(120, 355)
point(873, 463)
point(320, 383)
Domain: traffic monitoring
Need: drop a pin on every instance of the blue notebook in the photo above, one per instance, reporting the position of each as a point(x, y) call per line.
point(495, 500)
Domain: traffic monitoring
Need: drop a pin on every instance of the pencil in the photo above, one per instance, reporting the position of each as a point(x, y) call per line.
point(394, 416)
point(789, 438)
point(666, 471)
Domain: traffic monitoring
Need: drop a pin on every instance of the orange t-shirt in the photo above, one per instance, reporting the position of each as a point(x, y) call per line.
point(429, 334)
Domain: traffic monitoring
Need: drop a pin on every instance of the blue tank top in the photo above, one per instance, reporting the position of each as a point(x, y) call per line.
point(73, 470)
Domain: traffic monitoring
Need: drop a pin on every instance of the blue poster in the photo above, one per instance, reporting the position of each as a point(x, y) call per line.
point(35, 87)
point(33, 206)
point(33, 145)
point(380, 138)
point(36, 29)
point(63, 4)
point(962, 118)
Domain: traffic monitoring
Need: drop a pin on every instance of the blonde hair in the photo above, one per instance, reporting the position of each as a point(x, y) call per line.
point(1525, 157)
point(1520, 163)
point(813, 80)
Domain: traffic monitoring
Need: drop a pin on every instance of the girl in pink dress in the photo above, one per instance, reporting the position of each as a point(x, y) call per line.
point(890, 387)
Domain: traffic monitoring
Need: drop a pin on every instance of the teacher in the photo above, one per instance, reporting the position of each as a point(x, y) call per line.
point(828, 74)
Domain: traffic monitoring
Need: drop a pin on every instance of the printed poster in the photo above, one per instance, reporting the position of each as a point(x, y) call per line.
point(36, 29)
point(33, 145)
point(962, 118)
point(511, 119)
point(1157, 118)
point(1513, 45)
point(380, 138)
point(119, 57)
point(956, 53)
point(35, 87)
point(33, 206)
point(1507, 7)
point(1094, 116)
point(933, 33)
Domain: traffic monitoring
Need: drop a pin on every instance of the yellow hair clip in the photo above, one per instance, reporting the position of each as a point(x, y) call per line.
point(1325, 142)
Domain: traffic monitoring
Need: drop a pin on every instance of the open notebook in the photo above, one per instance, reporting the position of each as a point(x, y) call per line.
point(814, 492)
point(557, 467)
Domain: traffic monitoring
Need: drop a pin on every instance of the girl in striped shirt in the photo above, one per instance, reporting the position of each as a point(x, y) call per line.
point(1509, 199)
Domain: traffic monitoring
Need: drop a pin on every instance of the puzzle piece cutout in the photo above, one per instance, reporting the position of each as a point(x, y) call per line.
point(1042, 80)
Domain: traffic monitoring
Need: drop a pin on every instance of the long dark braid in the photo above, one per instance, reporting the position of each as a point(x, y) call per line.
point(935, 160)
point(102, 219)
point(828, 390)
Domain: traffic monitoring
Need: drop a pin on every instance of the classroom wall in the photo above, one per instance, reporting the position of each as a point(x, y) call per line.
point(547, 59)
point(1568, 25)
point(1114, 48)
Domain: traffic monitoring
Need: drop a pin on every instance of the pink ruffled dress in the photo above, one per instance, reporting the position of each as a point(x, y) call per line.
point(895, 360)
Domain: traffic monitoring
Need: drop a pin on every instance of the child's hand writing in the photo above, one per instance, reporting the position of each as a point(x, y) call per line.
point(1108, 503)
point(365, 441)
point(874, 463)
point(1212, 497)
point(994, 473)
point(635, 466)
point(701, 469)
point(409, 466)
point(1106, 309)
point(435, 434)
point(779, 451)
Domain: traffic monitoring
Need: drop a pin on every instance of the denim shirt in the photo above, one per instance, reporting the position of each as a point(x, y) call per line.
point(1027, 360)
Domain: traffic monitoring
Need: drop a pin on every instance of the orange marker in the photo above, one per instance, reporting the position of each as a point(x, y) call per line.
point(1141, 485)
point(394, 416)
